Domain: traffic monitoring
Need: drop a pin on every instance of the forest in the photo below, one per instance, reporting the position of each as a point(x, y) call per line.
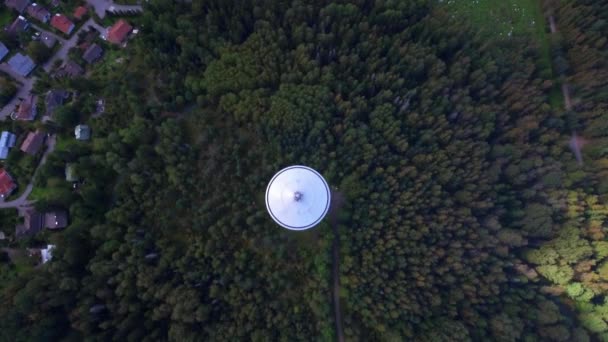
point(466, 214)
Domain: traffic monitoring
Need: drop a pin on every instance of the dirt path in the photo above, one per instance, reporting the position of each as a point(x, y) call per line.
point(336, 202)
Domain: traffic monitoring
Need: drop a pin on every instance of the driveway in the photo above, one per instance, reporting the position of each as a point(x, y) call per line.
point(101, 6)
point(22, 92)
point(22, 201)
point(66, 45)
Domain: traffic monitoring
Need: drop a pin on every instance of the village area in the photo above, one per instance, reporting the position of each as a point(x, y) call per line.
point(41, 41)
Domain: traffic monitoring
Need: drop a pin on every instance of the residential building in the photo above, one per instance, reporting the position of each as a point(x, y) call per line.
point(36, 11)
point(46, 254)
point(21, 64)
point(119, 32)
point(32, 223)
point(3, 51)
point(62, 23)
point(56, 219)
point(70, 69)
point(82, 132)
point(53, 99)
point(70, 173)
point(80, 12)
point(17, 5)
point(93, 53)
point(32, 143)
point(48, 39)
point(26, 110)
point(7, 140)
point(7, 185)
point(19, 25)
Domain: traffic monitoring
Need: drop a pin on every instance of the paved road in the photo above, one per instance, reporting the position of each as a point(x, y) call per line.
point(101, 6)
point(66, 45)
point(22, 92)
point(22, 201)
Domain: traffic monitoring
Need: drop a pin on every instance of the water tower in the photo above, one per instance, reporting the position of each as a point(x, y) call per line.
point(297, 197)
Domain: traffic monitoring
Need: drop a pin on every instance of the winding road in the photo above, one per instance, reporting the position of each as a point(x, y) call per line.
point(22, 201)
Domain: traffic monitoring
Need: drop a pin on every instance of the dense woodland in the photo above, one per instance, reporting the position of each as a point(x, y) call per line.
point(466, 215)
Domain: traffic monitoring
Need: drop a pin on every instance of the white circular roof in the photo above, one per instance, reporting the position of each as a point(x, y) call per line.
point(297, 197)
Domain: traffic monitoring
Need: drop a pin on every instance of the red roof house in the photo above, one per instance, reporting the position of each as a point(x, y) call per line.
point(33, 142)
point(26, 110)
point(62, 23)
point(7, 185)
point(80, 12)
point(118, 32)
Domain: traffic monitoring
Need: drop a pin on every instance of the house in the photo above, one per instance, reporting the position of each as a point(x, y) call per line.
point(82, 132)
point(80, 12)
point(32, 223)
point(7, 185)
point(7, 140)
point(21, 64)
point(18, 26)
point(17, 5)
point(36, 11)
point(3, 51)
point(32, 143)
point(46, 254)
point(56, 219)
point(26, 110)
point(70, 173)
point(93, 53)
point(62, 23)
point(53, 99)
point(70, 69)
point(48, 39)
point(118, 33)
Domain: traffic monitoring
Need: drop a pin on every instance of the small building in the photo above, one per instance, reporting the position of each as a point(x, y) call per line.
point(19, 25)
point(17, 5)
point(82, 132)
point(7, 185)
point(119, 32)
point(40, 13)
point(21, 64)
point(56, 219)
point(32, 223)
point(53, 99)
point(93, 53)
point(80, 12)
point(62, 23)
point(70, 173)
point(48, 39)
point(26, 110)
point(46, 254)
point(7, 140)
point(32, 143)
point(3, 51)
point(71, 69)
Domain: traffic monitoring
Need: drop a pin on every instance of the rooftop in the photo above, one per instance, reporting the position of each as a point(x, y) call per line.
point(32, 143)
point(18, 5)
point(119, 31)
point(21, 64)
point(56, 219)
point(82, 132)
point(7, 185)
point(62, 23)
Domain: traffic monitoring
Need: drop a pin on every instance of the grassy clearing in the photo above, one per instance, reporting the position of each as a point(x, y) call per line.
point(505, 18)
